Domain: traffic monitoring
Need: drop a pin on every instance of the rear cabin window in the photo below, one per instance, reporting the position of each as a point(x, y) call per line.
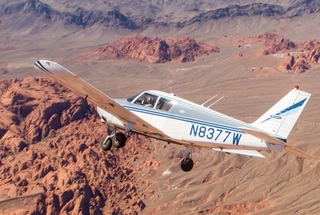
point(164, 104)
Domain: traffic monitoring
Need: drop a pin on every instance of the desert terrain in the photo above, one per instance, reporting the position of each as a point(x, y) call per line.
point(251, 53)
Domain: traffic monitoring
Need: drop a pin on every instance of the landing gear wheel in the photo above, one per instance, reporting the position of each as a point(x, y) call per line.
point(120, 140)
point(187, 165)
point(106, 144)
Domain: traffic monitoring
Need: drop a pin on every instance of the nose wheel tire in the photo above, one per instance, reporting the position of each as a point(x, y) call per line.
point(119, 140)
point(106, 144)
point(187, 165)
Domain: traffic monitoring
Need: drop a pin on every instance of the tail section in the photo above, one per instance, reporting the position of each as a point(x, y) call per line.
point(280, 119)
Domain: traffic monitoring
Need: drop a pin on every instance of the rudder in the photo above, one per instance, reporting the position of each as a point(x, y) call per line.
point(280, 119)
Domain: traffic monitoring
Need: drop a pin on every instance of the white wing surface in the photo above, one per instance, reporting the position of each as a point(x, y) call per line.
point(90, 93)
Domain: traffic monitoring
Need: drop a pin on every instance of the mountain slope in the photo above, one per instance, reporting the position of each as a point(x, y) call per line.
point(110, 15)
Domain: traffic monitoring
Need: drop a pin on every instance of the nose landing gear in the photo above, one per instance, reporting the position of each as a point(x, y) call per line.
point(187, 162)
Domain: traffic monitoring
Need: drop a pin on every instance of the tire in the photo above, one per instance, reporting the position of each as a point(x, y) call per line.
point(106, 144)
point(187, 165)
point(120, 140)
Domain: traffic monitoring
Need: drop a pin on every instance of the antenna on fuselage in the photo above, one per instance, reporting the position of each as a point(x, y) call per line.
point(215, 102)
point(210, 100)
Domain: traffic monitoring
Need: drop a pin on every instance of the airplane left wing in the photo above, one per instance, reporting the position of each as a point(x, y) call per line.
point(92, 94)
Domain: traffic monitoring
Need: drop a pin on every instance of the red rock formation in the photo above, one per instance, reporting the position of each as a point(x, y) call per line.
point(310, 50)
point(308, 45)
point(275, 43)
point(52, 171)
point(297, 64)
point(269, 38)
point(288, 63)
point(301, 64)
point(314, 54)
point(156, 50)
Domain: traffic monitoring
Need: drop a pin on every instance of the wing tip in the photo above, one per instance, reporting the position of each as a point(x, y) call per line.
point(38, 64)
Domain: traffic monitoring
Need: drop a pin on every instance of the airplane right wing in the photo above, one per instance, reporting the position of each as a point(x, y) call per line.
point(92, 94)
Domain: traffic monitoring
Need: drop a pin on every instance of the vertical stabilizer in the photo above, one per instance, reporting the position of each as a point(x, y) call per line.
point(280, 119)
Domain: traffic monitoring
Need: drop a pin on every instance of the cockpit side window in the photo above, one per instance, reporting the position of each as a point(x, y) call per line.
point(131, 98)
point(164, 104)
point(147, 100)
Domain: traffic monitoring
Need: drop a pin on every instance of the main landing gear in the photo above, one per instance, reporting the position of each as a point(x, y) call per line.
point(187, 162)
point(116, 139)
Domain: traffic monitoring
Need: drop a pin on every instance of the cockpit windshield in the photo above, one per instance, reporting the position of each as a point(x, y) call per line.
point(153, 101)
point(131, 98)
point(147, 100)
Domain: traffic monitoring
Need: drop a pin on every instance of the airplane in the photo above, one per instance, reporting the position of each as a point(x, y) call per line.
point(172, 119)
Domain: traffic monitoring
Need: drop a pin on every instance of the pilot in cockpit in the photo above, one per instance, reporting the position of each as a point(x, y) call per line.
point(149, 101)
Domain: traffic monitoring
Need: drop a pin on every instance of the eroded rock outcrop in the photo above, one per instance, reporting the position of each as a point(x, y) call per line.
point(275, 43)
point(50, 163)
point(300, 55)
point(314, 54)
point(156, 50)
point(297, 64)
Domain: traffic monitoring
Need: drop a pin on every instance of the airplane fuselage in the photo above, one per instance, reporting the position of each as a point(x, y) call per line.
point(187, 122)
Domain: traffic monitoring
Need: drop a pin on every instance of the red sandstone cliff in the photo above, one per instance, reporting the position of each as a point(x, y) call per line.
point(156, 50)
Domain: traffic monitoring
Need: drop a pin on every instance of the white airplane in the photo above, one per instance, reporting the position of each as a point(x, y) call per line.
point(172, 119)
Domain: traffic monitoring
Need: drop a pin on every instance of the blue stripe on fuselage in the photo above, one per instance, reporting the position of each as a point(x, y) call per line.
point(181, 118)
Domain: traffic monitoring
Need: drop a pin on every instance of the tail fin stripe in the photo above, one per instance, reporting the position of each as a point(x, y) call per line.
point(292, 107)
point(279, 120)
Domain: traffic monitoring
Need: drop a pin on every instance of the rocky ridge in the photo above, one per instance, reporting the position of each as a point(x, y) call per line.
point(112, 15)
point(156, 50)
point(79, 17)
point(45, 170)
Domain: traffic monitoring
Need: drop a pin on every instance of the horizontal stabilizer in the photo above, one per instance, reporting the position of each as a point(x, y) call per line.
point(263, 136)
point(252, 153)
point(269, 139)
point(297, 152)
